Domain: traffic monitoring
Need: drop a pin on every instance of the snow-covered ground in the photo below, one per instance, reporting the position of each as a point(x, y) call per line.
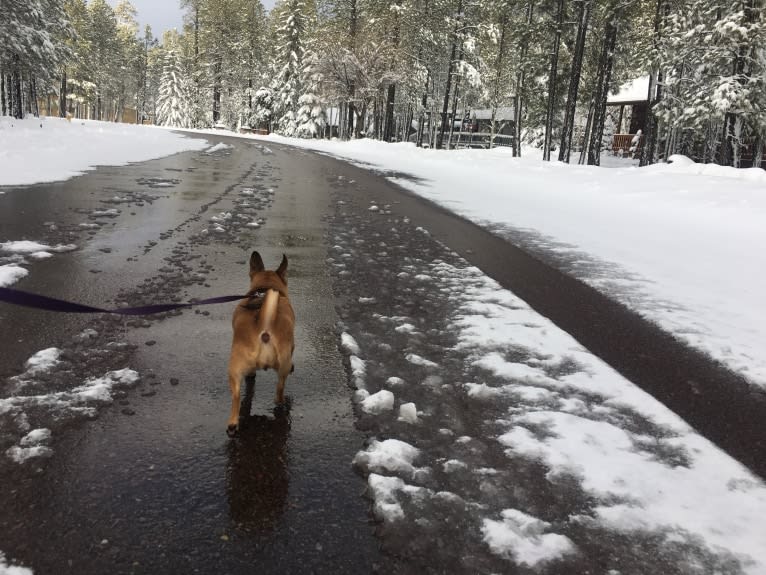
point(45, 149)
point(487, 417)
point(680, 243)
point(37, 150)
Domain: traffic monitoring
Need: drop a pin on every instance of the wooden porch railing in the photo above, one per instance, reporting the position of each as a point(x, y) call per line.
point(621, 144)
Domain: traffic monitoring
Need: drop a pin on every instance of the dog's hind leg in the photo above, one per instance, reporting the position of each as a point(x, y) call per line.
point(283, 373)
point(235, 383)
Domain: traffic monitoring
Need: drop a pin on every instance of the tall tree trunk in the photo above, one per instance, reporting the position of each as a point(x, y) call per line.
point(388, 126)
point(518, 101)
point(574, 82)
point(602, 91)
point(62, 95)
point(653, 97)
point(18, 110)
point(454, 112)
point(3, 106)
point(757, 151)
point(552, 83)
point(498, 76)
point(587, 133)
point(388, 134)
point(448, 87)
point(35, 105)
point(422, 116)
point(217, 68)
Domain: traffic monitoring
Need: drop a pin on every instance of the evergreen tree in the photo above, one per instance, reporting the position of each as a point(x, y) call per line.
point(289, 82)
point(173, 103)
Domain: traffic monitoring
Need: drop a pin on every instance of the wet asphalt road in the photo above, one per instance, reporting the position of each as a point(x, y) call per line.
point(152, 483)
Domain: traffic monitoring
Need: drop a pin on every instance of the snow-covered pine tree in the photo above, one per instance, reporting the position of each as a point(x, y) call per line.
point(310, 120)
point(173, 103)
point(311, 117)
point(290, 56)
point(263, 109)
point(715, 73)
point(32, 46)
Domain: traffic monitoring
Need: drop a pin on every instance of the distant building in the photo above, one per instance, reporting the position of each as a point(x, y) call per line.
point(628, 108)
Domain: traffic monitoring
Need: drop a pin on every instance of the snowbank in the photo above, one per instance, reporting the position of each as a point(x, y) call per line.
point(45, 149)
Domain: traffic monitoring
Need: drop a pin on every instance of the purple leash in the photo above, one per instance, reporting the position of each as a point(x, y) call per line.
point(27, 299)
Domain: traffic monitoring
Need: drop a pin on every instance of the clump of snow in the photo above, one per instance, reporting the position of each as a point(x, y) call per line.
point(348, 343)
point(23, 454)
point(388, 456)
point(358, 371)
point(408, 413)
point(218, 147)
point(99, 389)
point(43, 360)
point(394, 381)
point(379, 402)
point(29, 247)
point(417, 360)
point(32, 154)
point(35, 437)
point(383, 491)
point(10, 274)
point(31, 446)
point(7, 568)
point(523, 538)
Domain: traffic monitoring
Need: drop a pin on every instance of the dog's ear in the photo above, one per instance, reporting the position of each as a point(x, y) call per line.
point(282, 269)
point(256, 263)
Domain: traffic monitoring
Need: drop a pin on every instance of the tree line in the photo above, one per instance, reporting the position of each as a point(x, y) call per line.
point(399, 70)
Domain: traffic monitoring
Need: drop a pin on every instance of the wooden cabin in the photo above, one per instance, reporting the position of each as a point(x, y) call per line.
point(628, 108)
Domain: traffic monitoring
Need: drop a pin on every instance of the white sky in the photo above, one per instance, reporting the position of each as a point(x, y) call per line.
point(163, 15)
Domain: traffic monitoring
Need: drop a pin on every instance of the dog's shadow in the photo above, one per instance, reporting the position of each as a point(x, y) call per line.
point(256, 475)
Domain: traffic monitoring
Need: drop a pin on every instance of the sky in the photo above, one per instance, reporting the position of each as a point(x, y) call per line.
point(164, 15)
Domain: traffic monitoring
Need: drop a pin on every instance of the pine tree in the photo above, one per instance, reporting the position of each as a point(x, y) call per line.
point(173, 103)
point(289, 84)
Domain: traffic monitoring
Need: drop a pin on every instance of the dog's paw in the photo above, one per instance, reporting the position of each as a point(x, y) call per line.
point(231, 430)
point(283, 409)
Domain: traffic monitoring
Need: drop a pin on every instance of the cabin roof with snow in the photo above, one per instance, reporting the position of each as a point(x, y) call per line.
point(633, 92)
point(502, 114)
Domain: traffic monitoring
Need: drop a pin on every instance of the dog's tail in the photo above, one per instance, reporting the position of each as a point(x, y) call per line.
point(268, 313)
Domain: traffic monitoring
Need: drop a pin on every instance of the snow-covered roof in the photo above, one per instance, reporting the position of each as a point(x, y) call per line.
point(501, 114)
point(636, 90)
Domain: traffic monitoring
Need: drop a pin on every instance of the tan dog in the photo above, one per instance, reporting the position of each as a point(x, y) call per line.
point(263, 333)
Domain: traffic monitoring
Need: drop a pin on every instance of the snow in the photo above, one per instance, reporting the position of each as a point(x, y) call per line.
point(378, 402)
point(33, 150)
point(636, 90)
point(679, 243)
point(408, 413)
point(348, 343)
point(17, 250)
point(642, 469)
point(10, 274)
point(81, 400)
point(218, 147)
point(523, 537)
point(43, 360)
point(388, 456)
point(10, 569)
